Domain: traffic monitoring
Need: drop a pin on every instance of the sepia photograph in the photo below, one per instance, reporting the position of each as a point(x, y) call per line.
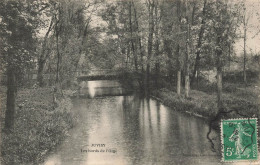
point(129, 82)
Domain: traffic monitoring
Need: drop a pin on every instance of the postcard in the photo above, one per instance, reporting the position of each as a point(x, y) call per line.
point(129, 82)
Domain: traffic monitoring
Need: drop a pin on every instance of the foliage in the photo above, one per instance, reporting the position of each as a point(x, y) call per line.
point(207, 21)
point(18, 21)
point(38, 128)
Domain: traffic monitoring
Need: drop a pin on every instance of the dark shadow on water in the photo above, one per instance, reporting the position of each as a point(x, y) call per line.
point(214, 123)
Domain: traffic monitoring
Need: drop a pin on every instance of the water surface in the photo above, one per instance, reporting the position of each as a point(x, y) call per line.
point(132, 130)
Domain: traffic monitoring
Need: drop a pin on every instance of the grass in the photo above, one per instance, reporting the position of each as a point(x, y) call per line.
point(241, 101)
point(199, 102)
point(38, 127)
point(244, 101)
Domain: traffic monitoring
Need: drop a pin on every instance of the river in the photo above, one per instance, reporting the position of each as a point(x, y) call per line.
point(122, 129)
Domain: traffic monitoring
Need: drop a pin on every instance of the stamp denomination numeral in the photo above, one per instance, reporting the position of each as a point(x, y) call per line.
point(229, 151)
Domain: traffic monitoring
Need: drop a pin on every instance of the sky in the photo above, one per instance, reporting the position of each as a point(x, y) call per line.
point(253, 40)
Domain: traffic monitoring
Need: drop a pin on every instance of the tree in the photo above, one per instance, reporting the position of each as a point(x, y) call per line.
point(199, 44)
point(124, 28)
point(141, 52)
point(66, 36)
point(151, 6)
point(43, 53)
point(245, 28)
point(187, 54)
point(118, 17)
point(131, 36)
point(223, 29)
point(178, 63)
point(168, 21)
point(18, 25)
point(157, 44)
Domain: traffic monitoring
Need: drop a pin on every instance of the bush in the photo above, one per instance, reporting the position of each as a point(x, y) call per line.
point(237, 76)
point(38, 128)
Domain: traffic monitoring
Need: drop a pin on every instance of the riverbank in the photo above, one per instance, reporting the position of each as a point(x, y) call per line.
point(238, 101)
point(242, 102)
point(40, 125)
point(202, 101)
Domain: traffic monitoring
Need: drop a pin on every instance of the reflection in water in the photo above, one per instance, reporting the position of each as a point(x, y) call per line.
point(91, 87)
point(142, 130)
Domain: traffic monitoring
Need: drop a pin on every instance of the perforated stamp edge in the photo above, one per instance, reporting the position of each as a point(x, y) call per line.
point(222, 141)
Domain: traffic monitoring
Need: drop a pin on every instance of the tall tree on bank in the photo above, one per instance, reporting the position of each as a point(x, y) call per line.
point(199, 44)
point(178, 48)
point(187, 53)
point(45, 50)
point(150, 5)
point(139, 42)
point(157, 44)
point(43, 56)
point(223, 30)
point(132, 40)
point(17, 28)
point(245, 21)
point(168, 20)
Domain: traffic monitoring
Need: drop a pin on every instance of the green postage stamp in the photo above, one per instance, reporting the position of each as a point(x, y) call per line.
point(239, 139)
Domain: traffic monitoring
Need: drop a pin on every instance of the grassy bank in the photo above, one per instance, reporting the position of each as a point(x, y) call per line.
point(202, 101)
point(242, 102)
point(199, 103)
point(38, 128)
point(238, 101)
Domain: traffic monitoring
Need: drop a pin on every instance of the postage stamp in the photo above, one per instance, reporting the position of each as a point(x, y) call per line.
point(239, 139)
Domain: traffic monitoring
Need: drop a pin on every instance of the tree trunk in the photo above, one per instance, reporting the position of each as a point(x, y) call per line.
point(10, 105)
point(157, 64)
point(187, 76)
point(150, 42)
point(219, 88)
point(197, 60)
point(178, 50)
point(187, 54)
point(127, 56)
point(178, 70)
point(43, 57)
point(140, 47)
point(40, 72)
point(219, 75)
point(58, 59)
point(244, 66)
point(57, 33)
point(229, 56)
point(131, 32)
point(178, 82)
point(168, 50)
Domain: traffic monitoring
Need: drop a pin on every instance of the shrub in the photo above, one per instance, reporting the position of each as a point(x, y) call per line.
point(38, 128)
